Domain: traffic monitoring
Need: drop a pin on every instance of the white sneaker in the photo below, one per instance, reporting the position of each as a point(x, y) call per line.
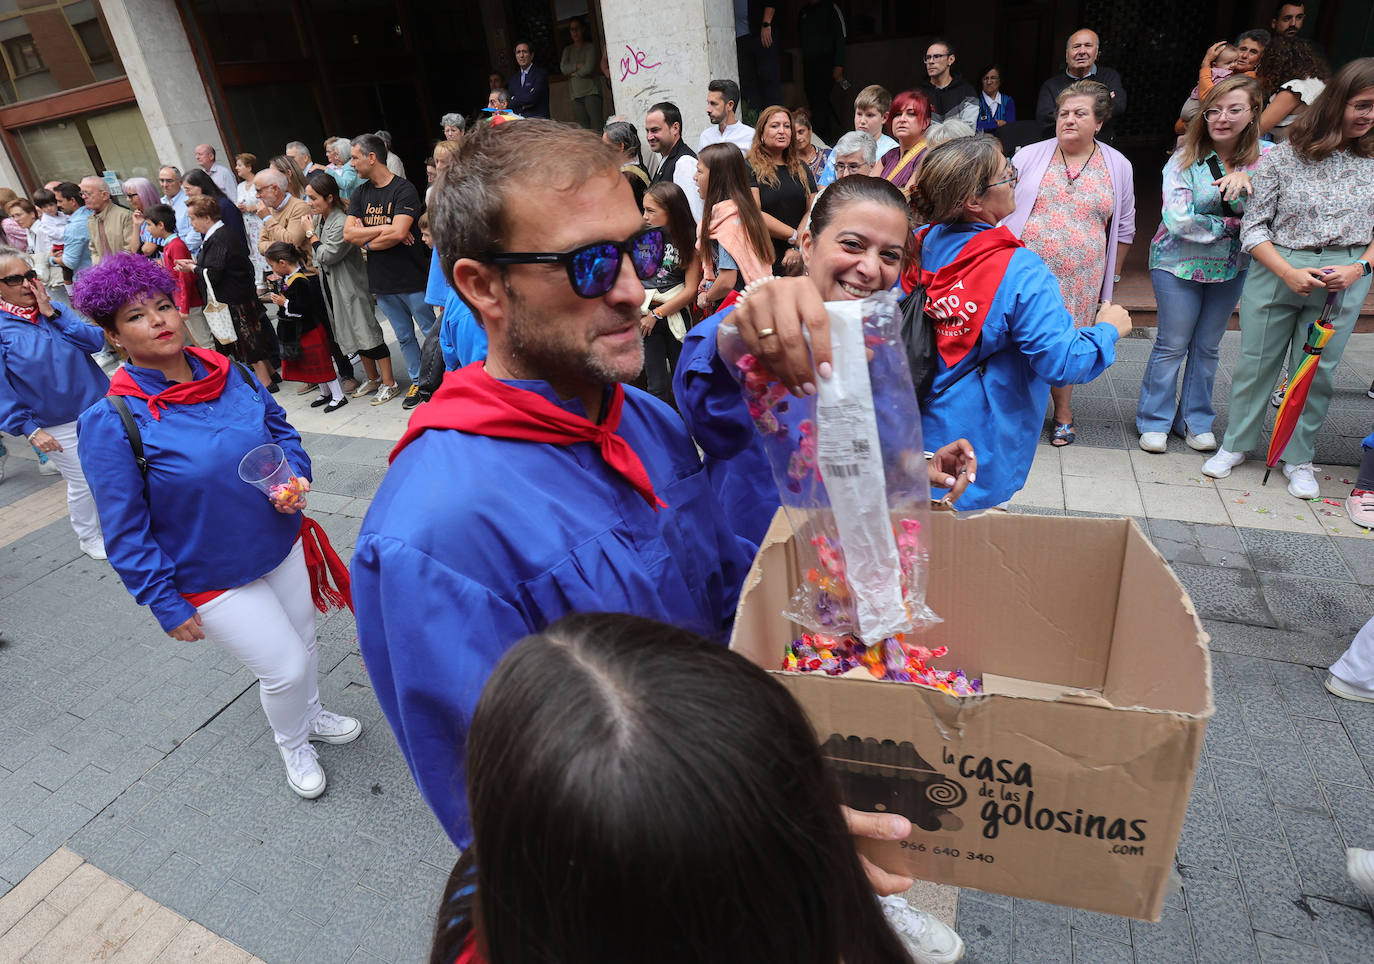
point(1155, 442)
point(1206, 442)
point(386, 393)
point(367, 387)
point(95, 548)
point(332, 728)
point(1359, 867)
point(1219, 466)
point(929, 940)
point(1302, 482)
point(1347, 691)
point(303, 772)
point(46, 467)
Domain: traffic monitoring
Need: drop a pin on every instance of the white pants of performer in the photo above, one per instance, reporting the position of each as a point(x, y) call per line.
point(80, 503)
point(269, 624)
point(1356, 665)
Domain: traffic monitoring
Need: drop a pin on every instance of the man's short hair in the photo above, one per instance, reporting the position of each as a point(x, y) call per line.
point(1259, 35)
point(371, 144)
point(501, 93)
point(949, 47)
point(274, 177)
point(211, 149)
point(518, 43)
point(173, 168)
point(299, 148)
point(98, 180)
point(874, 97)
point(68, 190)
point(671, 115)
point(203, 207)
point(727, 88)
point(1278, 7)
point(496, 163)
point(857, 142)
point(162, 214)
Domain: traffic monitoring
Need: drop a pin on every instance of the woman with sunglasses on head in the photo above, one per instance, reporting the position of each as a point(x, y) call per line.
point(994, 368)
point(47, 379)
point(1308, 228)
point(212, 556)
point(856, 244)
point(1196, 265)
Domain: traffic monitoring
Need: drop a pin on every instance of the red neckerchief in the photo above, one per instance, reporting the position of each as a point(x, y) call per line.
point(28, 314)
point(182, 393)
point(470, 400)
point(959, 294)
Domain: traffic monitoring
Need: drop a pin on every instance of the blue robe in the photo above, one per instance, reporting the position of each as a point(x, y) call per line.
point(47, 374)
point(710, 402)
point(473, 543)
point(192, 525)
point(1028, 343)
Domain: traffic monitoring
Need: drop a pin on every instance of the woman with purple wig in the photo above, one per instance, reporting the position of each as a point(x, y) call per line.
point(209, 554)
point(142, 195)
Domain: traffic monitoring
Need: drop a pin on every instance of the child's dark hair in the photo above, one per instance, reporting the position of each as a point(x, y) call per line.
point(617, 762)
point(681, 229)
point(282, 251)
point(163, 216)
point(43, 197)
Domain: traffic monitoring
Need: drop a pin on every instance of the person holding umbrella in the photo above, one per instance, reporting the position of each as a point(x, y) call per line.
point(1309, 228)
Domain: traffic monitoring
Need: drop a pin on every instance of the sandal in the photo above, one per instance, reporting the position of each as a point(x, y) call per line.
point(1063, 435)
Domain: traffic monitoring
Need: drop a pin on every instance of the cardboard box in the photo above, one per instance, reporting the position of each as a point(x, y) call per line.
point(1068, 780)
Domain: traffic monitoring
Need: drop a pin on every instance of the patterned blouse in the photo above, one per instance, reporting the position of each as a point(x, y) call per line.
point(1304, 204)
point(1195, 240)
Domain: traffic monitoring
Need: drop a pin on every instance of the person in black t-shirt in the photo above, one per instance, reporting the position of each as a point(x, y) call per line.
point(382, 215)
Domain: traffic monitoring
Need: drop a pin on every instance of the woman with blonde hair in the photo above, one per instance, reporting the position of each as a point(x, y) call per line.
point(1196, 265)
point(783, 185)
point(295, 181)
point(733, 243)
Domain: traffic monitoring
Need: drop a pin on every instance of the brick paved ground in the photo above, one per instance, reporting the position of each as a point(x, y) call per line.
point(151, 760)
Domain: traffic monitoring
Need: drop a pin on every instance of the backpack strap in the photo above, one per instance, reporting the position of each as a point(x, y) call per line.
point(246, 374)
point(131, 430)
point(1217, 174)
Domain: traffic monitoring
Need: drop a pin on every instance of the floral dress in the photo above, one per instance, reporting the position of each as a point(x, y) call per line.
point(1068, 229)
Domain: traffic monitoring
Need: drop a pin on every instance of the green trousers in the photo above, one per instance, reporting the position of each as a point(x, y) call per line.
point(1273, 327)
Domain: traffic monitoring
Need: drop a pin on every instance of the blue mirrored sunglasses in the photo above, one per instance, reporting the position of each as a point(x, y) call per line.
point(593, 268)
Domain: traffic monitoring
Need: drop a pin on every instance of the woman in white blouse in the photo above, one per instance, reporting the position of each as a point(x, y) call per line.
point(1291, 74)
point(245, 166)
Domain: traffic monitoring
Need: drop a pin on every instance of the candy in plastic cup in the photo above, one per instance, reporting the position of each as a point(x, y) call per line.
point(266, 468)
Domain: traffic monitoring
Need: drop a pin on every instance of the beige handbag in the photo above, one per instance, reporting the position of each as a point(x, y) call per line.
point(217, 316)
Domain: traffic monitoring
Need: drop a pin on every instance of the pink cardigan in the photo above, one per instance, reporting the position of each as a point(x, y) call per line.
point(1033, 160)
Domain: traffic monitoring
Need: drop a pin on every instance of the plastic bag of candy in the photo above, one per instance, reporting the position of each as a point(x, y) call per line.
point(851, 471)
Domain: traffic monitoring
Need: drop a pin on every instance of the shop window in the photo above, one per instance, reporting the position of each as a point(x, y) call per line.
point(24, 58)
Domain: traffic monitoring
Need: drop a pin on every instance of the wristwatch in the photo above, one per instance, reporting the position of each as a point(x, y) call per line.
point(1364, 266)
point(767, 23)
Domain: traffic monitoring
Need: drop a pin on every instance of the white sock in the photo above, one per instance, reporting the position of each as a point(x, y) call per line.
point(333, 389)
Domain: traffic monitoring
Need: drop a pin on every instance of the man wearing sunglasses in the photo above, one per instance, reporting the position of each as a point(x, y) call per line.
point(535, 484)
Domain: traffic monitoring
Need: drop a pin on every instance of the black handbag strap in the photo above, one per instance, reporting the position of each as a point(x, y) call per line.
point(131, 427)
point(1217, 174)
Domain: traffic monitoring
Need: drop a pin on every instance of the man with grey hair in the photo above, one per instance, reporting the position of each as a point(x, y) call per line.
point(393, 163)
point(174, 196)
point(221, 175)
point(110, 226)
point(1080, 57)
point(283, 216)
point(300, 156)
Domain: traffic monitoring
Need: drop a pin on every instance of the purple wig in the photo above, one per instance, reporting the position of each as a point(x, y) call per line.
point(100, 291)
point(143, 189)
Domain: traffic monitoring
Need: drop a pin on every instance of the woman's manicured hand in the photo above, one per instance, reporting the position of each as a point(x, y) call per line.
point(954, 467)
point(771, 321)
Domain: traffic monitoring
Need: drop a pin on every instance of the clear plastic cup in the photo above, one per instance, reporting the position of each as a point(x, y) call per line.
point(266, 468)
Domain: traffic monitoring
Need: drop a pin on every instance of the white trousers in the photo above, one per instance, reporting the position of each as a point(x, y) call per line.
point(1356, 665)
point(80, 502)
point(269, 624)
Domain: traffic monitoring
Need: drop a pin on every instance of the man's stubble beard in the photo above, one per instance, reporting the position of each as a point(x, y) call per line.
point(561, 364)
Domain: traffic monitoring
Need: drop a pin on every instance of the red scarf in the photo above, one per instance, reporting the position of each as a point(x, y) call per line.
point(180, 393)
point(27, 314)
point(321, 563)
point(959, 294)
point(470, 400)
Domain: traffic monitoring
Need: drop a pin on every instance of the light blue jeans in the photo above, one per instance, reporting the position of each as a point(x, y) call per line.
point(400, 309)
point(1192, 319)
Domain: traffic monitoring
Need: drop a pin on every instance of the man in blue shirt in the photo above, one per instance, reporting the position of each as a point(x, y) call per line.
point(76, 238)
point(169, 179)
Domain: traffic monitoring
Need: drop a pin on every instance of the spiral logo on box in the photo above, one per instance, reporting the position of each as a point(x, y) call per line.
point(946, 794)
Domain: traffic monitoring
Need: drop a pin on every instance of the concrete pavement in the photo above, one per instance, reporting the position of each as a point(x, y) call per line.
point(150, 762)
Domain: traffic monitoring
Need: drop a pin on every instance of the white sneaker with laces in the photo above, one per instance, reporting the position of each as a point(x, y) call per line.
point(1359, 867)
point(385, 394)
point(95, 548)
point(930, 941)
point(330, 727)
point(1156, 442)
point(1206, 442)
point(303, 772)
point(1219, 466)
point(1302, 481)
point(367, 387)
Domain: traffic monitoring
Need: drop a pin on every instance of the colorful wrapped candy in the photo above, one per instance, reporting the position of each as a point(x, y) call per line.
point(289, 494)
point(891, 659)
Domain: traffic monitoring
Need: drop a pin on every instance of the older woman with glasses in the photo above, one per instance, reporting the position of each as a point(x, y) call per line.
point(47, 379)
point(1196, 264)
